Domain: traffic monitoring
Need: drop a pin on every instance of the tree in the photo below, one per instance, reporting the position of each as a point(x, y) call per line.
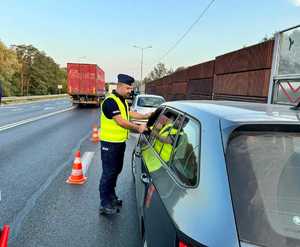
point(25, 54)
point(9, 66)
point(39, 73)
point(25, 70)
point(159, 71)
point(267, 38)
point(179, 68)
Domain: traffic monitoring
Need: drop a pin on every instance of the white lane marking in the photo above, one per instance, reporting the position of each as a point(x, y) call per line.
point(12, 125)
point(48, 108)
point(18, 109)
point(86, 161)
point(40, 101)
point(7, 107)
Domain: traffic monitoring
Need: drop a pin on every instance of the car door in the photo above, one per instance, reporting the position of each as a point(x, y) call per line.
point(138, 172)
point(159, 229)
point(138, 165)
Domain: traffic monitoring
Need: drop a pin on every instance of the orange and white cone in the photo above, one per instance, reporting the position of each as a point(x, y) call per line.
point(4, 236)
point(95, 135)
point(77, 174)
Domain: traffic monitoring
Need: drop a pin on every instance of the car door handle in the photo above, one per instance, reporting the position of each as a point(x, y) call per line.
point(145, 179)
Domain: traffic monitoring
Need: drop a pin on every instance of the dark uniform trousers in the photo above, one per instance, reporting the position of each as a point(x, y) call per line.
point(112, 156)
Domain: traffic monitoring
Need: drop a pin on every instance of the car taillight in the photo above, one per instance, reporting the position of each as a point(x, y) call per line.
point(182, 244)
point(185, 241)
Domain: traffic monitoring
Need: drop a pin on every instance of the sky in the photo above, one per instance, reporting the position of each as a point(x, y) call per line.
point(104, 32)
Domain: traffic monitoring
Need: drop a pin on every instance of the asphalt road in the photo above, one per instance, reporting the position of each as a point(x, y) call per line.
point(18, 112)
point(36, 159)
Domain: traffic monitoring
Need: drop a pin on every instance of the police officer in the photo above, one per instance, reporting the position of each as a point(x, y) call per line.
point(114, 131)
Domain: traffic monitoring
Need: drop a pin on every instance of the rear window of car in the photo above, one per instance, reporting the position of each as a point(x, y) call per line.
point(150, 101)
point(264, 173)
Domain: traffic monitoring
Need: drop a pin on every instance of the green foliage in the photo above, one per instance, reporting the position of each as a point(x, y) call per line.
point(9, 66)
point(24, 70)
point(159, 71)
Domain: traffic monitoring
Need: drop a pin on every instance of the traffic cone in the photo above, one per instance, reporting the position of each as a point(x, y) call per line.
point(77, 174)
point(4, 236)
point(95, 135)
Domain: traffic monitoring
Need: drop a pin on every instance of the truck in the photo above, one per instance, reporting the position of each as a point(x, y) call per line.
point(86, 83)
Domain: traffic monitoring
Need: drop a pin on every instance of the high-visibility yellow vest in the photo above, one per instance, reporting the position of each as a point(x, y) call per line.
point(165, 149)
point(152, 162)
point(162, 133)
point(110, 130)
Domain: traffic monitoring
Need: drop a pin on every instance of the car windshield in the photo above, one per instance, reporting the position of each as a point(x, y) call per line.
point(264, 176)
point(150, 101)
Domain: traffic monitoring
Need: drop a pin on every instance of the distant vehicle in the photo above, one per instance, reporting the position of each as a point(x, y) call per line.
point(131, 97)
point(110, 86)
point(145, 103)
point(86, 83)
point(217, 173)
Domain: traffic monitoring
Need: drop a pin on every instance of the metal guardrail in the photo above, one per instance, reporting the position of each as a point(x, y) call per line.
point(7, 100)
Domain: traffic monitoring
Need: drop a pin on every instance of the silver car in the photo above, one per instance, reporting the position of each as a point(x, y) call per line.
point(213, 173)
point(145, 103)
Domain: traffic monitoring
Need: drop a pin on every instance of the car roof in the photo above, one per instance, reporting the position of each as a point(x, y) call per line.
point(238, 111)
point(149, 95)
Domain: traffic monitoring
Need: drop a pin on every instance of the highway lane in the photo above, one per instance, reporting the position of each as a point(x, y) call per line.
point(67, 215)
point(31, 154)
point(42, 210)
point(18, 112)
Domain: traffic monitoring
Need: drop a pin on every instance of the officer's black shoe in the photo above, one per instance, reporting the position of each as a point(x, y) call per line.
point(117, 202)
point(109, 209)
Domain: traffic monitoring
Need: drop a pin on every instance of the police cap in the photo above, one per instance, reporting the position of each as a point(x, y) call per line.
point(125, 79)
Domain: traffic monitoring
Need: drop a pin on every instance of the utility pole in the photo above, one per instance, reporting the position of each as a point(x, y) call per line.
point(142, 59)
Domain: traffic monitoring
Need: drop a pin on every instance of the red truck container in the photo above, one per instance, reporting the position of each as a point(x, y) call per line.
point(86, 83)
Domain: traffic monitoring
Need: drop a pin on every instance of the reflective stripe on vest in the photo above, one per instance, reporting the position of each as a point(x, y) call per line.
point(110, 130)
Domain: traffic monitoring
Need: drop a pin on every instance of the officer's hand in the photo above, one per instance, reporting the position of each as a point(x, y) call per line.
point(148, 115)
point(142, 128)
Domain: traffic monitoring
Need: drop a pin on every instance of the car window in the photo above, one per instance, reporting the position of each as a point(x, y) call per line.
point(134, 101)
point(149, 101)
point(163, 130)
point(152, 120)
point(264, 172)
point(186, 152)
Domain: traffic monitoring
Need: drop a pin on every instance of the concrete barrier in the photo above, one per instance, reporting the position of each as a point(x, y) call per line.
point(15, 99)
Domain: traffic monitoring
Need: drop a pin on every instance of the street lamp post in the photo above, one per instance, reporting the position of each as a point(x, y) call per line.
point(142, 57)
